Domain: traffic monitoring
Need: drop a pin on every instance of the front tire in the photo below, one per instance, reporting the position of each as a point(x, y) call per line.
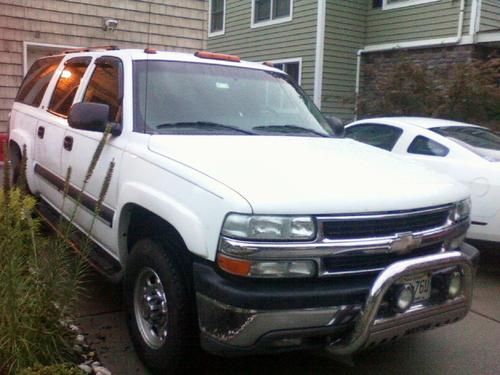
point(158, 308)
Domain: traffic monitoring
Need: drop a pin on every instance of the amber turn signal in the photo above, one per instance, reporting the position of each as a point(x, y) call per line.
point(234, 266)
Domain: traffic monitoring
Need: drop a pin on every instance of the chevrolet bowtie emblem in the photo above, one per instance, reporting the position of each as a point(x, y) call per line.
point(404, 243)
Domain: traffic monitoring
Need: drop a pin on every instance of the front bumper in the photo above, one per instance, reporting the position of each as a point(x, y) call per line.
point(343, 314)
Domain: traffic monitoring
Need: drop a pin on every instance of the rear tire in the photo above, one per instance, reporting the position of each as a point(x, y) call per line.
point(159, 308)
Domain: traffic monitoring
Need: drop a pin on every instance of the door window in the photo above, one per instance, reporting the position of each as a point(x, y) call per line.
point(381, 136)
point(67, 85)
point(424, 146)
point(105, 86)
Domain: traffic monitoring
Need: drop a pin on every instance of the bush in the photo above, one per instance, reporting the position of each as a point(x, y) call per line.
point(469, 92)
point(40, 285)
point(62, 369)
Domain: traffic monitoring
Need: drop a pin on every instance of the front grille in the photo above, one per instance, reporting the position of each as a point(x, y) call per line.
point(372, 262)
point(359, 227)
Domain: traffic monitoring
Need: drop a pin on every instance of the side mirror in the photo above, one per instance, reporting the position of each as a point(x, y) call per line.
point(336, 125)
point(91, 117)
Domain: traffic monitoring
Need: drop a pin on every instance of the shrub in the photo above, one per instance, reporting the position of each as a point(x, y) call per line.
point(40, 285)
point(40, 279)
point(469, 92)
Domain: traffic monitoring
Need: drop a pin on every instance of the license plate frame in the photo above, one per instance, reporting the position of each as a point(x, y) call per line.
point(422, 286)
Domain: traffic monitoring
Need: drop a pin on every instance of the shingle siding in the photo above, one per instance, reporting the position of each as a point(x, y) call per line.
point(293, 39)
point(344, 34)
point(490, 16)
point(178, 25)
point(426, 21)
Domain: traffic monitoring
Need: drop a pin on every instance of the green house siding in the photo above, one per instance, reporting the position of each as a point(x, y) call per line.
point(293, 39)
point(490, 16)
point(425, 21)
point(344, 36)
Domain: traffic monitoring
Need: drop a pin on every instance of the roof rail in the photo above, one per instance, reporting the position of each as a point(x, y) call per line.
point(89, 49)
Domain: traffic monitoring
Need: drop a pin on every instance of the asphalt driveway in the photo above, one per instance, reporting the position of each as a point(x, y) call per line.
point(471, 346)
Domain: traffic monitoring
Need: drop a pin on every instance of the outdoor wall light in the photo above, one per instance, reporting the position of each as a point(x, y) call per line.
point(110, 24)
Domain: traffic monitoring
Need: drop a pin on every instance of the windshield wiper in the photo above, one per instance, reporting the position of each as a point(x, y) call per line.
point(289, 129)
point(203, 125)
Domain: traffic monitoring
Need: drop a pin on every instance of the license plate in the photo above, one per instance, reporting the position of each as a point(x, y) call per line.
point(421, 288)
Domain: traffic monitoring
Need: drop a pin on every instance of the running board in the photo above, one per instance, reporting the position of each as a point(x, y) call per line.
point(96, 256)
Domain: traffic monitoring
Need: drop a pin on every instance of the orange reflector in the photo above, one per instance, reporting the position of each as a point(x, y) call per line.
point(268, 63)
point(217, 56)
point(150, 51)
point(238, 267)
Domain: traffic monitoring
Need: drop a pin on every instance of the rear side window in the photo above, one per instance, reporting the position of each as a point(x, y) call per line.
point(425, 146)
point(381, 136)
point(105, 86)
point(36, 81)
point(67, 85)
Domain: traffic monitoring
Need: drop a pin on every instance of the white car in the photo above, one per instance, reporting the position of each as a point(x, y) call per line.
point(469, 153)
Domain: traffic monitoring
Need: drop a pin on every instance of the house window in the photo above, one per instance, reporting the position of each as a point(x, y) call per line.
point(216, 17)
point(393, 4)
point(292, 67)
point(268, 12)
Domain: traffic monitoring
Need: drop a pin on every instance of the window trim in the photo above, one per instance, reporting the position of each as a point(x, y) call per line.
point(407, 3)
point(290, 60)
point(271, 21)
point(218, 32)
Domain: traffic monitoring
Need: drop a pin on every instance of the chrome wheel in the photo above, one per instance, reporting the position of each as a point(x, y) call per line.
point(151, 308)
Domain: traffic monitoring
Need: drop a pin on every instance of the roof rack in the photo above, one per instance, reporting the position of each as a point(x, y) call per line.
point(90, 49)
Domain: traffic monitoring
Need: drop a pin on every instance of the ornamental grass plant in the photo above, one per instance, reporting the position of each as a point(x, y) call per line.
point(41, 279)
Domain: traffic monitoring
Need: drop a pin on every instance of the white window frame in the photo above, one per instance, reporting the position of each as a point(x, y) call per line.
point(26, 46)
point(218, 32)
point(407, 3)
point(292, 60)
point(275, 21)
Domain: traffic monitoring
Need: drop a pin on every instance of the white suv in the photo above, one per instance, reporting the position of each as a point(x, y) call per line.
point(235, 215)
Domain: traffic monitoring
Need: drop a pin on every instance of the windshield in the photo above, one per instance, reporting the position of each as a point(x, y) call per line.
point(192, 98)
point(472, 136)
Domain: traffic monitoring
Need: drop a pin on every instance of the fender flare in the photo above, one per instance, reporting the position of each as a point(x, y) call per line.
point(183, 219)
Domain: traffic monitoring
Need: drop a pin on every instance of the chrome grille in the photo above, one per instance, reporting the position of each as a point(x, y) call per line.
point(381, 226)
point(372, 263)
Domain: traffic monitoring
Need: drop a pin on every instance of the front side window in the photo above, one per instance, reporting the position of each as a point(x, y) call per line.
point(216, 15)
point(36, 81)
point(271, 10)
point(105, 86)
point(292, 68)
point(67, 85)
point(381, 136)
point(193, 98)
point(424, 146)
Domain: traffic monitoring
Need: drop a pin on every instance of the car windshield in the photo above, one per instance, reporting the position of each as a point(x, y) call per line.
point(472, 136)
point(192, 98)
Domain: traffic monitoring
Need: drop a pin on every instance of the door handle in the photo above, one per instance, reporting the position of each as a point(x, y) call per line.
point(41, 132)
point(68, 143)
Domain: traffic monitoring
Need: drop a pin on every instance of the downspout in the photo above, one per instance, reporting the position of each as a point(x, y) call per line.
point(396, 46)
point(319, 54)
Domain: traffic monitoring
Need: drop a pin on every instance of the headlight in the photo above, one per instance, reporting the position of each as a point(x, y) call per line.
point(461, 211)
point(272, 228)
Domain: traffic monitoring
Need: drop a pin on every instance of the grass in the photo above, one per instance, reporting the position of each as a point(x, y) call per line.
point(41, 280)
